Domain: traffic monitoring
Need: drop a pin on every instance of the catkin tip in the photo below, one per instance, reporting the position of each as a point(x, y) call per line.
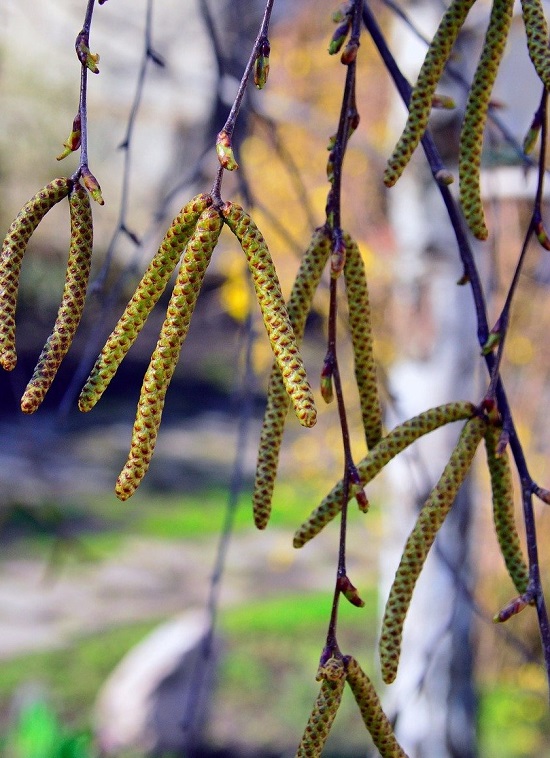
point(8, 360)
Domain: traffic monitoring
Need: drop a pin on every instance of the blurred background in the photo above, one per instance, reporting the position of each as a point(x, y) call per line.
point(87, 582)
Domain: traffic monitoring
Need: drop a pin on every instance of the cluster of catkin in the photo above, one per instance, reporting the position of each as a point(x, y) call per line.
point(299, 305)
point(333, 675)
point(191, 238)
point(471, 137)
point(434, 511)
point(74, 292)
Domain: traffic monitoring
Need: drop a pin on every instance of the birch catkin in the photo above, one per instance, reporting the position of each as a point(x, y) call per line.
point(536, 29)
point(373, 715)
point(274, 312)
point(72, 303)
point(430, 519)
point(152, 285)
point(475, 117)
point(388, 447)
point(299, 305)
point(165, 356)
point(420, 105)
point(13, 249)
point(503, 511)
point(361, 337)
point(321, 718)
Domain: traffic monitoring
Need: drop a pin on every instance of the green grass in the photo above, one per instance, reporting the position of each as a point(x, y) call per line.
point(72, 676)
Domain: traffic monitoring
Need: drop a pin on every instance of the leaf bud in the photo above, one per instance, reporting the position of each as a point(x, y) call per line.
point(349, 53)
point(224, 149)
point(72, 142)
point(326, 381)
point(84, 55)
point(339, 37)
point(349, 591)
point(338, 257)
point(92, 185)
point(261, 64)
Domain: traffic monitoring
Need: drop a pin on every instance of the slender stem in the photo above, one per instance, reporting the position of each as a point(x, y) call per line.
point(348, 117)
point(229, 125)
point(504, 318)
point(83, 103)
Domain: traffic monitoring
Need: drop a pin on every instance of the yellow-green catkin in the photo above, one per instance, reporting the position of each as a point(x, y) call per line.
point(430, 519)
point(13, 249)
point(271, 436)
point(321, 718)
point(165, 356)
point(72, 303)
point(389, 446)
point(475, 117)
point(536, 29)
point(420, 105)
point(373, 715)
point(152, 285)
point(274, 312)
point(503, 511)
point(359, 316)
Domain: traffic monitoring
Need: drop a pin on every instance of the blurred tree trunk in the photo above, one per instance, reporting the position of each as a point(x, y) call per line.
point(433, 699)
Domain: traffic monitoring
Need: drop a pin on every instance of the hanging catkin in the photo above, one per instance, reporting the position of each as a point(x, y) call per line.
point(152, 285)
point(430, 519)
point(274, 312)
point(299, 305)
point(165, 356)
point(388, 447)
point(321, 718)
point(536, 29)
point(373, 715)
point(475, 117)
point(503, 511)
point(359, 315)
point(72, 303)
point(13, 249)
point(420, 105)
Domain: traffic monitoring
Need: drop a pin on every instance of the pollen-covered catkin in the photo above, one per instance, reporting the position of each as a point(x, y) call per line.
point(359, 316)
point(536, 29)
point(13, 249)
point(503, 511)
point(475, 117)
point(373, 715)
point(72, 303)
point(321, 718)
point(430, 519)
point(420, 105)
point(389, 446)
point(165, 356)
point(152, 285)
point(299, 305)
point(274, 312)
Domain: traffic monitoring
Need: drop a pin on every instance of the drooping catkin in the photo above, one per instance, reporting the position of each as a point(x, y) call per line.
point(13, 248)
point(389, 446)
point(420, 105)
point(536, 29)
point(165, 356)
point(271, 436)
point(274, 312)
point(152, 285)
point(72, 303)
point(475, 117)
point(430, 519)
point(503, 511)
point(373, 715)
point(359, 316)
point(321, 718)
